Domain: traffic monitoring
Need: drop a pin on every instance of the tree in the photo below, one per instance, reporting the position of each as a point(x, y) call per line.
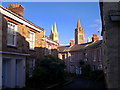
point(85, 68)
point(49, 70)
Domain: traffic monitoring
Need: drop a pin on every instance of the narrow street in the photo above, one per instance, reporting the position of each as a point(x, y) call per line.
point(82, 83)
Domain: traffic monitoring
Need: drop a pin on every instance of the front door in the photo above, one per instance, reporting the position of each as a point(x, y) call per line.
point(18, 73)
point(5, 72)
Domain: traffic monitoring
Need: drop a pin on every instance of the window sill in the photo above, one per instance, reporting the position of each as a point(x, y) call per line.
point(32, 49)
point(12, 46)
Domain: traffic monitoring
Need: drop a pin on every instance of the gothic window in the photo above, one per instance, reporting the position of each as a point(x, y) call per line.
point(56, 36)
point(81, 36)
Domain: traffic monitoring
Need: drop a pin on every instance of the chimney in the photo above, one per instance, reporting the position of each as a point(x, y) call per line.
point(95, 38)
point(72, 42)
point(16, 8)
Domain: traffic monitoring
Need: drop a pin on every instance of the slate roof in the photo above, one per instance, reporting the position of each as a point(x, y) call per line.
point(22, 18)
point(94, 44)
point(78, 47)
point(63, 48)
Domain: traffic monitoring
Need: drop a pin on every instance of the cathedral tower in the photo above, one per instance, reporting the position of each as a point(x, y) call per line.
point(51, 34)
point(54, 33)
point(79, 33)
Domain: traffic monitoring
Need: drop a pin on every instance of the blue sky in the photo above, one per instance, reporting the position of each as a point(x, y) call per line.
point(65, 14)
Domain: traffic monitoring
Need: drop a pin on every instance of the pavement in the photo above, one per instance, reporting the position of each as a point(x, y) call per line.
point(76, 83)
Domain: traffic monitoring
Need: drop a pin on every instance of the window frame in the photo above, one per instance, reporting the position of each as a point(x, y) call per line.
point(50, 49)
point(32, 48)
point(15, 34)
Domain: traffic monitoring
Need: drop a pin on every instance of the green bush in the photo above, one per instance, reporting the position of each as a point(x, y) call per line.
point(48, 71)
point(85, 68)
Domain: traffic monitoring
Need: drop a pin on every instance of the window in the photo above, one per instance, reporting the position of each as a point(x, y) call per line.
point(49, 48)
point(32, 40)
point(63, 57)
point(11, 34)
point(72, 58)
point(81, 36)
point(31, 66)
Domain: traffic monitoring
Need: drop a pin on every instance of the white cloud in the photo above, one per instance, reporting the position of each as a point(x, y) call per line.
point(98, 21)
point(93, 25)
point(96, 24)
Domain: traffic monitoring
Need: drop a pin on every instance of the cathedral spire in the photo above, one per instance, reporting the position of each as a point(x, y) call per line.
point(54, 28)
point(51, 29)
point(51, 33)
point(54, 33)
point(78, 23)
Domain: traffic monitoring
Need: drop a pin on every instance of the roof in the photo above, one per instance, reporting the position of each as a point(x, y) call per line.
point(18, 18)
point(63, 48)
point(63, 45)
point(48, 39)
point(78, 47)
point(94, 44)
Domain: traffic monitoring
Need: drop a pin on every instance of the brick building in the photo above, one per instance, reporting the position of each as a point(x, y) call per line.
point(22, 44)
point(110, 15)
point(89, 52)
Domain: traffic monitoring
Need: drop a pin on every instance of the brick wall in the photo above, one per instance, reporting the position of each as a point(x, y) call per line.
point(23, 37)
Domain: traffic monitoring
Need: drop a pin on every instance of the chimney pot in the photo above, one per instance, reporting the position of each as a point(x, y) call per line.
point(16, 8)
point(72, 42)
point(95, 38)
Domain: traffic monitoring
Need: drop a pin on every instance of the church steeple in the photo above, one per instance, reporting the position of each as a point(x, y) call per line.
point(54, 33)
point(79, 33)
point(51, 36)
point(54, 28)
point(78, 23)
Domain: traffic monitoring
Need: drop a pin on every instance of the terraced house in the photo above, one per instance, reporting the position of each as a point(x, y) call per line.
point(22, 43)
point(89, 52)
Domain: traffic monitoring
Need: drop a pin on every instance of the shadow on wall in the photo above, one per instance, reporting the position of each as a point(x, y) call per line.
point(91, 56)
point(22, 46)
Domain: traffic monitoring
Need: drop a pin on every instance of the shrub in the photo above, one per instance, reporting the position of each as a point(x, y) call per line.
point(48, 71)
point(85, 68)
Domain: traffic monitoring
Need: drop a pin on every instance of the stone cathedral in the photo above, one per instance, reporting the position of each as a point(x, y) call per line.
point(54, 33)
point(79, 33)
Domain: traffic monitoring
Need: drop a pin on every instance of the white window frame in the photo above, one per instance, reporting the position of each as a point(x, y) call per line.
point(32, 48)
point(72, 57)
point(49, 48)
point(15, 30)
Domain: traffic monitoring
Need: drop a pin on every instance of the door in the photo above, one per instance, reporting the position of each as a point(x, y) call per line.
point(18, 73)
point(5, 72)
